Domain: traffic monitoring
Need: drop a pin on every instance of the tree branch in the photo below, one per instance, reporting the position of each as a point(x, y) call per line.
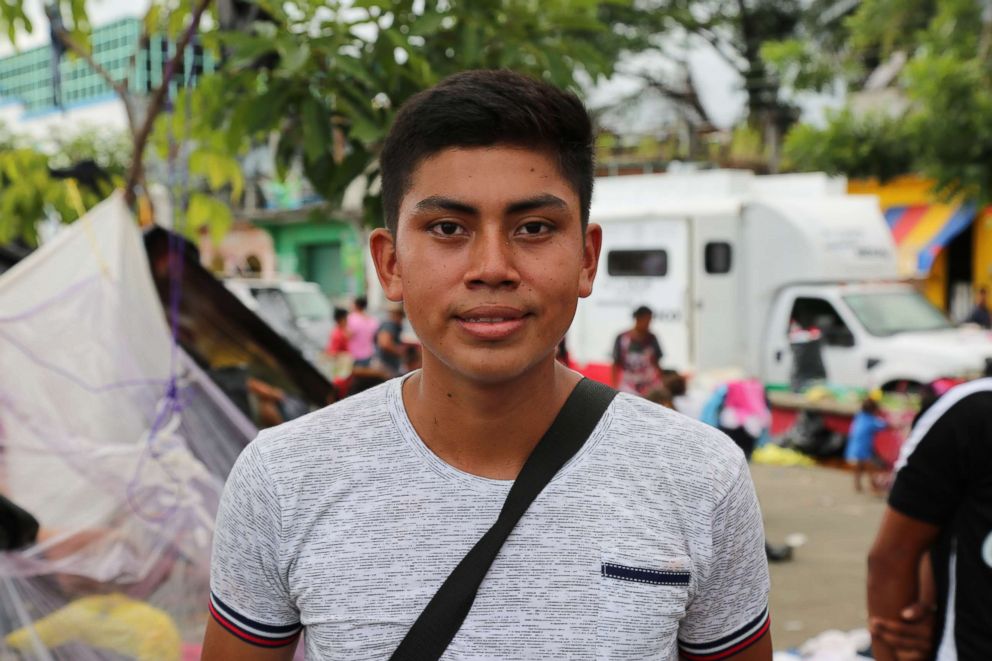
point(136, 171)
point(687, 98)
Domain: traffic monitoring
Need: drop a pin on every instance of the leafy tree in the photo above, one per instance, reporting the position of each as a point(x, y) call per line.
point(735, 31)
point(945, 130)
point(326, 78)
point(29, 192)
point(320, 81)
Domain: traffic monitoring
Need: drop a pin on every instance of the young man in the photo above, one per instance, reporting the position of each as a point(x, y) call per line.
point(637, 356)
point(941, 504)
point(347, 521)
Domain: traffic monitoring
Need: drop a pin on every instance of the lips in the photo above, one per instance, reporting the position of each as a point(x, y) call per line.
point(492, 322)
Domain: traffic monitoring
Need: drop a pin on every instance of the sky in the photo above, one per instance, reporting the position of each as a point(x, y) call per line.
point(719, 85)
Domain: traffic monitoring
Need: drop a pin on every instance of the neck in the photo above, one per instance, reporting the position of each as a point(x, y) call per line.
point(485, 429)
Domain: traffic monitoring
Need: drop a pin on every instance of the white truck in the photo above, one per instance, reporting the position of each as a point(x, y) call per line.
point(728, 261)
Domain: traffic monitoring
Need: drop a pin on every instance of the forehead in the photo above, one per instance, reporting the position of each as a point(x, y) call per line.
point(487, 175)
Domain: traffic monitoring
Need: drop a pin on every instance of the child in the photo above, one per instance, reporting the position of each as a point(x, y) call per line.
point(860, 451)
point(337, 345)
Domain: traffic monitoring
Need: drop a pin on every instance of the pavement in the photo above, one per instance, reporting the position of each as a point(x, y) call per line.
point(823, 587)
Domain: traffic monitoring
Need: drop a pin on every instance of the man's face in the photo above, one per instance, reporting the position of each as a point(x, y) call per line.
point(642, 323)
point(489, 259)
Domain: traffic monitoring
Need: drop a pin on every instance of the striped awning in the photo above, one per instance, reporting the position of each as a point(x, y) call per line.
point(921, 231)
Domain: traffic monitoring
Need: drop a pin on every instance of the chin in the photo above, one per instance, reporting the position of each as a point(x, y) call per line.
point(491, 368)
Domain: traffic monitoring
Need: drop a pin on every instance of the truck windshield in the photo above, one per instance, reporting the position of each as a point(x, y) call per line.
point(309, 305)
point(888, 313)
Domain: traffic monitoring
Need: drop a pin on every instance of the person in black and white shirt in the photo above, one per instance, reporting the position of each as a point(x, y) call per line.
point(941, 502)
point(647, 544)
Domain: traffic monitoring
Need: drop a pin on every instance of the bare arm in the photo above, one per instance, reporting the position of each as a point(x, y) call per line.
point(221, 645)
point(894, 572)
point(912, 635)
point(761, 650)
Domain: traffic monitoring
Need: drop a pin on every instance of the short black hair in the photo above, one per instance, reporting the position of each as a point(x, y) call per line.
point(643, 310)
point(340, 313)
point(482, 109)
point(361, 302)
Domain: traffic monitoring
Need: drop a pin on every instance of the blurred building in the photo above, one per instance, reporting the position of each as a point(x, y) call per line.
point(946, 245)
point(36, 102)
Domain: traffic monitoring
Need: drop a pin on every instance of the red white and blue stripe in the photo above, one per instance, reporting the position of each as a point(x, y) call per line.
point(729, 645)
point(252, 631)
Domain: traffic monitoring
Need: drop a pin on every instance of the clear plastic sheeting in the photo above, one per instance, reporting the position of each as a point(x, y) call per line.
point(117, 443)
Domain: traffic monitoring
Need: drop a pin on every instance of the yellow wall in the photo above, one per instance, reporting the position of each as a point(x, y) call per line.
point(900, 191)
point(934, 287)
point(982, 254)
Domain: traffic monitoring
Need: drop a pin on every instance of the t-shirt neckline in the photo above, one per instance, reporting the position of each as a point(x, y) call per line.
point(398, 413)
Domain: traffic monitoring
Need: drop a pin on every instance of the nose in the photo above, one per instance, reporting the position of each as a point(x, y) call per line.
point(492, 261)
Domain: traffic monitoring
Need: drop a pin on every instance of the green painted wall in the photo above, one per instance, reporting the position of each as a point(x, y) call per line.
point(325, 251)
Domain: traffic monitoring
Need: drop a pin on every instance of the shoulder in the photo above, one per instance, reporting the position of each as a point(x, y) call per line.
point(965, 405)
point(333, 435)
point(672, 447)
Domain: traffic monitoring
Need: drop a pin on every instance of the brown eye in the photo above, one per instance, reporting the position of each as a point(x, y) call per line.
point(446, 228)
point(534, 228)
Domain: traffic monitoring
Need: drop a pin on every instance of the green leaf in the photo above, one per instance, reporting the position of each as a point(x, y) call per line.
point(316, 129)
point(295, 54)
point(204, 210)
point(427, 24)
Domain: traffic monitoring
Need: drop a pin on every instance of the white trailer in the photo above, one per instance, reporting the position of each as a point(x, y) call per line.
point(728, 260)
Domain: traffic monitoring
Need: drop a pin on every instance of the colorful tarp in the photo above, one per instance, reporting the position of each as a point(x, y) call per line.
point(921, 231)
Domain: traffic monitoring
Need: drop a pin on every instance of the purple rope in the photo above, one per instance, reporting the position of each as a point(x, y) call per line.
point(172, 404)
point(32, 311)
point(96, 389)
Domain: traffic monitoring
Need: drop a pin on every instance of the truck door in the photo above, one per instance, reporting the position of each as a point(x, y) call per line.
point(716, 321)
point(643, 261)
point(842, 355)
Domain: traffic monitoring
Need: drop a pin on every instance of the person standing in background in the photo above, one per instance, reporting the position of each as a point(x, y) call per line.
point(637, 356)
point(337, 345)
point(860, 449)
point(941, 505)
point(361, 333)
point(980, 313)
point(390, 350)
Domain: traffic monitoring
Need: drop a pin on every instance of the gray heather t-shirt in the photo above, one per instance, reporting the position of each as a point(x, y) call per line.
point(345, 524)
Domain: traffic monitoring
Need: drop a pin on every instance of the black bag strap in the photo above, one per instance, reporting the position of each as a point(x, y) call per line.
point(440, 620)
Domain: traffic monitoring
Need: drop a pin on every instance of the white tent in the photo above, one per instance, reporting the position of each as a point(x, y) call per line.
point(116, 442)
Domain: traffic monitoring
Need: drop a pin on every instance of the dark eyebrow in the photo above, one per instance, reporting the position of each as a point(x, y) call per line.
point(540, 202)
point(439, 203)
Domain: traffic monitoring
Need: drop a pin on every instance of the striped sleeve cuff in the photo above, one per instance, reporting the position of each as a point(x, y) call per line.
point(729, 645)
point(250, 631)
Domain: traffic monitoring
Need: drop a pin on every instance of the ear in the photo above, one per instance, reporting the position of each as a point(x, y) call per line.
point(593, 243)
point(382, 244)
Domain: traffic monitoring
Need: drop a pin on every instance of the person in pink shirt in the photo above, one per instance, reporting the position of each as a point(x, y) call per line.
point(361, 333)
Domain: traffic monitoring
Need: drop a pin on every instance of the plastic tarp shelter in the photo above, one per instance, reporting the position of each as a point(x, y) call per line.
point(117, 443)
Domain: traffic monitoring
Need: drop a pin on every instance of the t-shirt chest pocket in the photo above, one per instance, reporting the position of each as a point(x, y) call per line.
point(641, 603)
